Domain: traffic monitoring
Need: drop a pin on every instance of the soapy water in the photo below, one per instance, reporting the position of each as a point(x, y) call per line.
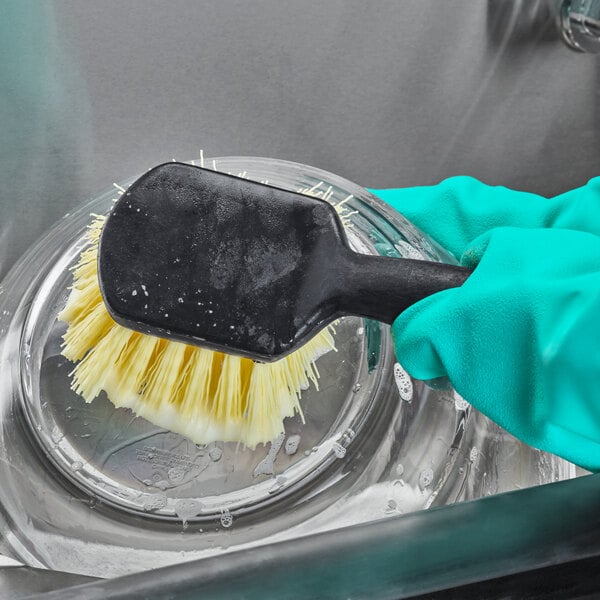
point(403, 383)
point(267, 465)
point(459, 402)
point(425, 478)
point(291, 444)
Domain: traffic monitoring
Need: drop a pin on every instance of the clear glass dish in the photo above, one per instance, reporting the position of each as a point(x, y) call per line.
point(91, 489)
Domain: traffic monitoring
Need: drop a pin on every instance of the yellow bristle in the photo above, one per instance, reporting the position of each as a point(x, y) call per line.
point(163, 374)
point(196, 381)
point(131, 371)
point(206, 396)
point(94, 371)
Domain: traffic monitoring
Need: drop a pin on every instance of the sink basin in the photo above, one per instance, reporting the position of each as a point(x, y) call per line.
point(95, 490)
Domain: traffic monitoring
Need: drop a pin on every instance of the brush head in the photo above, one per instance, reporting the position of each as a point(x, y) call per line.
point(218, 261)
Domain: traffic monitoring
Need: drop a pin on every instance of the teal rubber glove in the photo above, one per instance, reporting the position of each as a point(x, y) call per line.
point(520, 340)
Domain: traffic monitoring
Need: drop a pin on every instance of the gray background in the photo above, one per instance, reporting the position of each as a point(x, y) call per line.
point(385, 93)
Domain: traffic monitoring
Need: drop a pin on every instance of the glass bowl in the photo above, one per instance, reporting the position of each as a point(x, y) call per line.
point(92, 489)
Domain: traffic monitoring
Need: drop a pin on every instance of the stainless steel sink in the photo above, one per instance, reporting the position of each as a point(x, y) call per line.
point(385, 94)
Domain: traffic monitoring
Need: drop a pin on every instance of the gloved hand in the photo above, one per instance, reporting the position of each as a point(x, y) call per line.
point(520, 340)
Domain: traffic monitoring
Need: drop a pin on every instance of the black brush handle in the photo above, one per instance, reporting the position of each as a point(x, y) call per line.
point(381, 288)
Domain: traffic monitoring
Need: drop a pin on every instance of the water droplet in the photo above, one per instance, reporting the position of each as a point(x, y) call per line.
point(134, 293)
point(266, 465)
point(291, 444)
point(399, 469)
point(425, 478)
point(215, 453)
point(176, 474)
point(187, 508)
point(474, 454)
point(356, 388)
point(460, 403)
point(403, 383)
point(57, 435)
point(77, 465)
point(226, 518)
point(154, 502)
point(277, 485)
point(339, 450)
point(180, 300)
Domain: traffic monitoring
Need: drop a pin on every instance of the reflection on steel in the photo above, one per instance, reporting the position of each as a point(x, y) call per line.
point(579, 24)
